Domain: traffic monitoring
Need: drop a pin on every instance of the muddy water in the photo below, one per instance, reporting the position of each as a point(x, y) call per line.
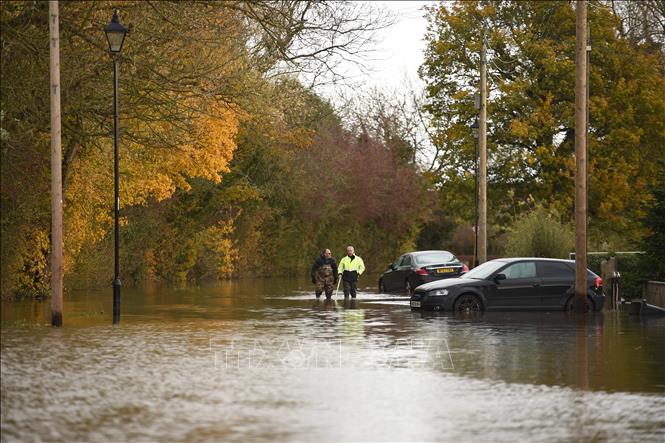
point(263, 361)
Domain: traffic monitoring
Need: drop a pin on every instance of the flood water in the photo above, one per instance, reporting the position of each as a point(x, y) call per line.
point(263, 361)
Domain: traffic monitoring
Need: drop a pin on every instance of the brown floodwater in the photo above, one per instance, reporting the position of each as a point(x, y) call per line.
point(262, 360)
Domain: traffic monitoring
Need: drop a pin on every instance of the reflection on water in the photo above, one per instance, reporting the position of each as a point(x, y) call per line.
point(263, 360)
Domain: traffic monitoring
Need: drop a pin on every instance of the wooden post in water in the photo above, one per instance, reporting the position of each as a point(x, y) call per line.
point(56, 167)
point(580, 158)
point(607, 273)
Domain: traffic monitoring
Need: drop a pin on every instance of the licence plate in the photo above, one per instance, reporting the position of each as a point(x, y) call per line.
point(445, 270)
point(415, 304)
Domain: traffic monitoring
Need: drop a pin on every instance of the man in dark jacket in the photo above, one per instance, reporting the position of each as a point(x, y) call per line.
point(324, 274)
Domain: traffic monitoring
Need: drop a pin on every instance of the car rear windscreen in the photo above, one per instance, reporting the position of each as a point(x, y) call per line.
point(434, 258)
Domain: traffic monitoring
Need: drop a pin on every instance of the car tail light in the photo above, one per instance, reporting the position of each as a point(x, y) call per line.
point(599, 282)
point(422, 271)
point(465, 268)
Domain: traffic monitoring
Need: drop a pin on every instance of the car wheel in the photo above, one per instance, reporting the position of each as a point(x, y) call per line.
point(570, 304)
point(407, 288)
point(382, 287)
point(468, 304)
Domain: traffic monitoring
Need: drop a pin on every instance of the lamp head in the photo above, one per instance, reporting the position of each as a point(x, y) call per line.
point(115, 34)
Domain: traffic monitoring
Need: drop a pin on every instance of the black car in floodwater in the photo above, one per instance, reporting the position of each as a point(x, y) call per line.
point(510, 284)
point(416, 268)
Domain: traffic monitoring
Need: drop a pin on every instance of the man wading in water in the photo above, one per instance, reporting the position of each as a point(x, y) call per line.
point(324, 274)
point(350, 267)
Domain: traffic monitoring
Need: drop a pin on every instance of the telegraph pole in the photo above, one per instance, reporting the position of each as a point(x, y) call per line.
point(482, 147)
point(475, 128)
point(56, 167)
point(580, 157)
point(586, 123)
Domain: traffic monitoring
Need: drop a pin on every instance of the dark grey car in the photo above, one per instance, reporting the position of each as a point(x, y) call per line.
point(510, 283)
point(419, 267)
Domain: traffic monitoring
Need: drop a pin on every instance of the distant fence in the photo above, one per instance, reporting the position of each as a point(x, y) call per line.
point(654, 293)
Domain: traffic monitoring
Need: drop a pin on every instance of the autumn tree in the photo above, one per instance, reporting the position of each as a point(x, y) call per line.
point(653, 263)
point(531, 111)
point(191, 73)
point(358, 189)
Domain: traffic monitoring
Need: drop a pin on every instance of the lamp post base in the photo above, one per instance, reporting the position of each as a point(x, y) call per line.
point(116, 301)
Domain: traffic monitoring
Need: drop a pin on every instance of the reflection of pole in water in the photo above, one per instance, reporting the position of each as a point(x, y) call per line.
point(582, 361)
point(599, 329)
point(580, 404)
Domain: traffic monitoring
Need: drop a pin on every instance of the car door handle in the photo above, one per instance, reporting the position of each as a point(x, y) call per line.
point(536, 285)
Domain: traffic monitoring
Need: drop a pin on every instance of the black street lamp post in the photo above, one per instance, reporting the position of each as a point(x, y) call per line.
point(475, 129)
point(115, 34)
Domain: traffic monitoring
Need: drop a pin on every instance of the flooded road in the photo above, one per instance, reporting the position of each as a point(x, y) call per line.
point(263, 361)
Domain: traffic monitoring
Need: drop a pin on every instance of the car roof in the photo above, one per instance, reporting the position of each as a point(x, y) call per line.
point(429, 252)
point(516, 259)
point(542, 259)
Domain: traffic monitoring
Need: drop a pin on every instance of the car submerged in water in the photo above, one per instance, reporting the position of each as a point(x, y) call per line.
point(416, 268)
point(510, 284)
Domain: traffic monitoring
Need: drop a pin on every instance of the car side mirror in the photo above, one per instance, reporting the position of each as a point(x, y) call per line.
point(390, 266)
point(498, 277)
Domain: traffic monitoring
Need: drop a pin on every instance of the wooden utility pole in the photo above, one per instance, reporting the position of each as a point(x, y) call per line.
point(580, 158)
point(482, 142)
point(475, 208)
point(56, 167)
point(586, 121)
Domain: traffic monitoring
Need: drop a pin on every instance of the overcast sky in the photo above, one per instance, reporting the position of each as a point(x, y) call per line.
point(398, 52)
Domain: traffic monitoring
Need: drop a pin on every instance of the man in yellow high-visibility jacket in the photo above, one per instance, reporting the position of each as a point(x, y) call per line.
point(350, 267)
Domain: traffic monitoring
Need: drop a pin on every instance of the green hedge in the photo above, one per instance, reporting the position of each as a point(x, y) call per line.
point(540, 233)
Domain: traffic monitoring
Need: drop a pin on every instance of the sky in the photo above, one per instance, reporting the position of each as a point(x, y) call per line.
point(396, 55)
point(401, 46)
